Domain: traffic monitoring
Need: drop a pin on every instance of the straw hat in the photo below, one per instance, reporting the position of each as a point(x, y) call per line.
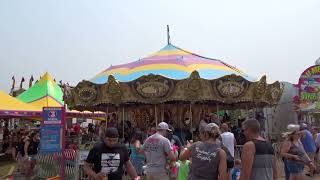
point(291, 128)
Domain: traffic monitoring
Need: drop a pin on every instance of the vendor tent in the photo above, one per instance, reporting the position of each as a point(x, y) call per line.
point(47, 93)
point(12, 107)
point(44, 93)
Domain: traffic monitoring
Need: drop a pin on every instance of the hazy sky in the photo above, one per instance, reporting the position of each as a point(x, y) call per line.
point(75, 40)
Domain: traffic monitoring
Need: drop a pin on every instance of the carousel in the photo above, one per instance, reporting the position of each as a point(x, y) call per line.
point(171, 85)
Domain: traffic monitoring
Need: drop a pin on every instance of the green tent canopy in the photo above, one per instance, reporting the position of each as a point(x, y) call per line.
point(45, 92)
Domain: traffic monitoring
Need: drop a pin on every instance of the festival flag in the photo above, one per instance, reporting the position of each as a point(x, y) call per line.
point(30, 81)
point(13, 82)
point(22, 80)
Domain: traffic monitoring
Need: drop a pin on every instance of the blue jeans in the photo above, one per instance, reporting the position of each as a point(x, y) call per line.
point(286, 169)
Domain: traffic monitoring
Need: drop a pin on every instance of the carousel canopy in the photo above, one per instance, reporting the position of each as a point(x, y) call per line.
point(172, 62)
point(170, 75)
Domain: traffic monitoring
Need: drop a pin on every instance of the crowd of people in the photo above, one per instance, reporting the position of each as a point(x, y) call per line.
point(22, 145)
point(159, 153)
point(162, 157)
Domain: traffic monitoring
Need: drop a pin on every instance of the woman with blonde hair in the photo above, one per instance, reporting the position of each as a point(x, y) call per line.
point(209, 161)
point(295, 157)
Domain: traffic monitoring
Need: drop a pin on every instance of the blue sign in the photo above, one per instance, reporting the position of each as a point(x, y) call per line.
point(51, 139)
point(52, 115)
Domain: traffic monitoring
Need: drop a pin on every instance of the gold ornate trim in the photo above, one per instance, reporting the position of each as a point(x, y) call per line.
point(230, 90)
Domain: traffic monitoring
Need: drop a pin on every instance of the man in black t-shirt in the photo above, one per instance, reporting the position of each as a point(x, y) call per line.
point(108, 159)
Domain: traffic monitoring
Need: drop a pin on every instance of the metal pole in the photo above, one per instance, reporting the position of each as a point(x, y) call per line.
point(168, 35)
point(191, 120)
point(105, 119)
point(200, 112)
point(63, 134)
point(155, 114)
point(217, 108)
point(267, 123)
point(123, 122)
point(162, 112)
point(218, 117)
point(107, 114)
point(179, 119)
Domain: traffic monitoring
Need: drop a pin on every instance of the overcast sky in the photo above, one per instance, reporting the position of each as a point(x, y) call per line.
point(75, 40)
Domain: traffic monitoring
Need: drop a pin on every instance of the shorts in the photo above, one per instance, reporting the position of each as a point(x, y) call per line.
point(138, 164)
point(295, 167)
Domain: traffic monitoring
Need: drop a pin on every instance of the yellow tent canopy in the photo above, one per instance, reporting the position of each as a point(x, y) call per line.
point(13, 107)
point(10, 106)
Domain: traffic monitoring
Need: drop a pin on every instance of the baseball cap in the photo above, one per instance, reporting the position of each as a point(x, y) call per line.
point(303, 126)
point(112, 132)
point(291, 128)
point(163, 126)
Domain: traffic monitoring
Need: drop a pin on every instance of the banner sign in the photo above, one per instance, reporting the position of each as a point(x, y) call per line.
point(52, 115)
point(51, 139)
point(308, 98)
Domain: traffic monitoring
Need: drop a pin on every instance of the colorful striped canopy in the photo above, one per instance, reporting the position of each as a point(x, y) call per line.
point(172, 62)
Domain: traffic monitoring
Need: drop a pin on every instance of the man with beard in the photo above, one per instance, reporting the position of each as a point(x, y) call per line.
point(108, 158)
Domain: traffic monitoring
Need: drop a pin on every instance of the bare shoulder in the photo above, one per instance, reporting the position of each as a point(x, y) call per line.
point(222, 153)
point(249, 146)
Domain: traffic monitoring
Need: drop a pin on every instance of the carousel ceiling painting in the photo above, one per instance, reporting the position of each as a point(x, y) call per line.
point(170, 75)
